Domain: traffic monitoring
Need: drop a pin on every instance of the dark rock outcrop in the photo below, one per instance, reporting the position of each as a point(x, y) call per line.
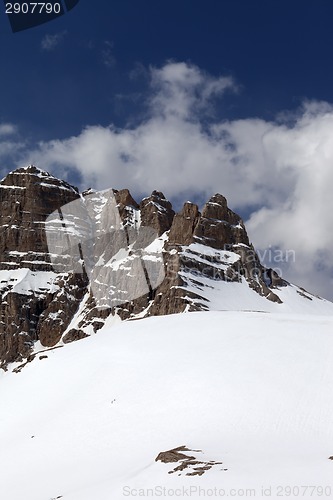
point(73, 335)
point(156, 212)
point(188, 463)
point(56, 317)
point(184, 225)
point(219, 226)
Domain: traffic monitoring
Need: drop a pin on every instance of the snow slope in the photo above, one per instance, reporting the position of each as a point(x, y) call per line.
point(222, 295)
point(252, 390)
point(26, 282)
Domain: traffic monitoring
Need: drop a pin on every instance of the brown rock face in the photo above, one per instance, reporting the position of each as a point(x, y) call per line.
point(73, 335)
point(56, 317)
point(27, 197)
point(190, 465)
point(125, 205)
point(184, 224)
point(219, 226)
point(156, 212)
point(19, 318)
point(173, 455)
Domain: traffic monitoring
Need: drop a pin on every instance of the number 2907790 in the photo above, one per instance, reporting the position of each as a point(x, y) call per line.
point(33, 8)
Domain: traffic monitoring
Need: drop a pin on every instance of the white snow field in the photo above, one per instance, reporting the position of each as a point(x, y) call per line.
point(252, 390)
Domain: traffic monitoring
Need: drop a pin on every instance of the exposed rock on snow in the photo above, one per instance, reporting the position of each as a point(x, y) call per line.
point(188, 463)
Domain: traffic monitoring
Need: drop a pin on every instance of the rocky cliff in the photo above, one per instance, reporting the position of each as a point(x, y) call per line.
point(70, 261)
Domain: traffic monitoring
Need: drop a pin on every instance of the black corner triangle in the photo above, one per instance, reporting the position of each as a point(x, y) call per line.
point(25, 20)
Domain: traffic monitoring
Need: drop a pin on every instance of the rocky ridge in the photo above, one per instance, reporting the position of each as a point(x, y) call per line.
point(45, 301)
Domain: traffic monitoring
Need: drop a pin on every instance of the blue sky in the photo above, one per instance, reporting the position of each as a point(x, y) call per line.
point(278, 51)
point(189, 97)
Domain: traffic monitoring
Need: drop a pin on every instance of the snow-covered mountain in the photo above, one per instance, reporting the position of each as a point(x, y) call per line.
point(73, 262)
point(232, 400)
point(248, 394)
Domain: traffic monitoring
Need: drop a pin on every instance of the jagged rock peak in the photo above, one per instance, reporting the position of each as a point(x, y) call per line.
point(31, 169)
point(124, 198)
point(184, 224)
point(217, 208)
point(219, 226)
point(28, 196)
point(157, 212)
point(218, 199)
point(30, 175)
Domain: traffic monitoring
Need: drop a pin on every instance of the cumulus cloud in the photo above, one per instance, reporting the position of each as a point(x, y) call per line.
point(169, 143)
point(182, 91)
point(302, 219)
point(50, 42)
point(278, 173)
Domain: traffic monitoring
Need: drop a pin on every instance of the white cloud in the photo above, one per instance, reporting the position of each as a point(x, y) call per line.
point(182, 90)
point(108, 57)
point(7, 129)
point(302, 219)
point(11, 147)
point(50, 42)
point(285, 168)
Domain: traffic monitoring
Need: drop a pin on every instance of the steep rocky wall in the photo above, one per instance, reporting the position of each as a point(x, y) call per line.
point(27, 197)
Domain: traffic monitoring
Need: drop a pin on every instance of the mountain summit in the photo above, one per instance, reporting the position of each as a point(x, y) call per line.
point(72, 262)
